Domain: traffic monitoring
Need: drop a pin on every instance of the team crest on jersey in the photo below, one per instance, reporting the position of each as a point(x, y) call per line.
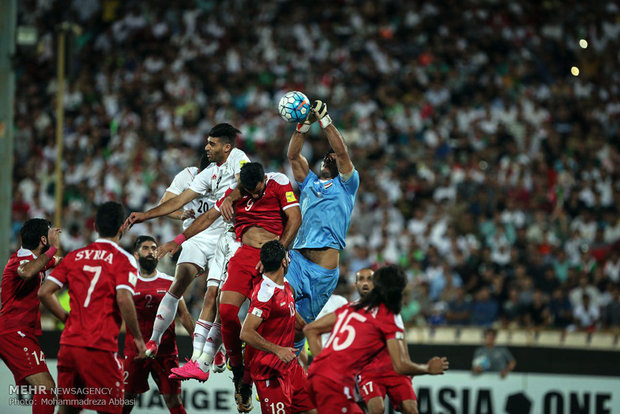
point(290, 196)
point(161, 291)
point(257, 312)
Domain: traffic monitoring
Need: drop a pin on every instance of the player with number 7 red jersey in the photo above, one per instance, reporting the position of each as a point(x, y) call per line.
point(100, 278)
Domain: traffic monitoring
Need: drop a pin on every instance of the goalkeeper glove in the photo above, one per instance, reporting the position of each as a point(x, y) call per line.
point(320, 109)
point(304, 127)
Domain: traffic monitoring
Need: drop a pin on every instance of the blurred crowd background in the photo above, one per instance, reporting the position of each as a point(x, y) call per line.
point(488, 171)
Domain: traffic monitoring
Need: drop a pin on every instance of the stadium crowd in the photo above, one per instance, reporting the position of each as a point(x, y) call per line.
point(488, 171)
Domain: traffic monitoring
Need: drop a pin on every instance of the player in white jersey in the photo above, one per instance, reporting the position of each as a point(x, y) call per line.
point(227, 245)
point(207, 331)
point(209, 185)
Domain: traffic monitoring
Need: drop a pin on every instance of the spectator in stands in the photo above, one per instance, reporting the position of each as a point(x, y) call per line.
point(585, 288)
point(484, 309)
point(537, 315)
point(586, 314)
point(489, 358)
point(511, 311)
point(459, 309)
point(611, 313)
point(560, 309)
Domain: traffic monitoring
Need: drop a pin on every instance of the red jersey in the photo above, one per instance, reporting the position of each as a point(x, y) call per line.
point(275, 305)
point(20, 304)
point(93, 274)
point(356, 339)
point(266, 212)
point(148, 293)
point(381, 366)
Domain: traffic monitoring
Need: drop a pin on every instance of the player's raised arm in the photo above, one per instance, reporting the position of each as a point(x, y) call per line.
point(179, 214)
point(336, 141)
point(250, 336)
point(404, 366)
point(314, 330)
point(124, 299)
point(299, 163)
point(163, 209)
point(202, 222)
point(32, 268)
point(185, 317)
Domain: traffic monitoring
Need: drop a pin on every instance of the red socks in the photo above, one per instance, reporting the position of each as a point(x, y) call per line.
point(231, 329)
point(179, 409)
point(39, 406)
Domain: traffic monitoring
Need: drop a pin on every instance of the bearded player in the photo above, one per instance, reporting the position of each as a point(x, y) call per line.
point(359, 332)
point(327, 201)
point(379, 378)
point(150, 288)
point(20, 319)
point(100, 278)
point(208, 186)
point(269, 332)
point(267, 210)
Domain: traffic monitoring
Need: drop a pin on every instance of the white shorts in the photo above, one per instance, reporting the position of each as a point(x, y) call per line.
point(218, 267)
point(199, 249)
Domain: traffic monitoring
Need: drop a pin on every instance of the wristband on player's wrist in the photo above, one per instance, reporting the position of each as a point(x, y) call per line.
point(180, 239)
point(325, 121)
point(51, 252)
point(302, 127)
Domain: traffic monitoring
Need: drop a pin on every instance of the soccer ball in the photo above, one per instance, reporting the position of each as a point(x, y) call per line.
point(294, 106)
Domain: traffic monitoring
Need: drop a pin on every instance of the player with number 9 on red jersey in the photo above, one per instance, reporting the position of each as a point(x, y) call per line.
point(359, 332)
point(20, 319)
point(266, 209)
point(100, 278)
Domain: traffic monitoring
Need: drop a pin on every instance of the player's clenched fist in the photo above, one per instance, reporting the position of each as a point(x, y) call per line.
point(436, 365)
point(286, 354)
point(170, 247)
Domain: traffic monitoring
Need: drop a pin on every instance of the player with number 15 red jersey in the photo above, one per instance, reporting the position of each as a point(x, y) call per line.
point(360, 332)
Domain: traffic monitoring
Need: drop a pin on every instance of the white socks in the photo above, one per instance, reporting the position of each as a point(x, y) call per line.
point(201, 331)
point(166, 312)
point(211, 346)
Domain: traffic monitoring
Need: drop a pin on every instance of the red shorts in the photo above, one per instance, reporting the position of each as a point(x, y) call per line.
point(137, 374)
point(398, 387)
point(331, 397)
point(242, 273)
point(93, 370)
point(301, 398)
point(275, 395)
point(21, 352)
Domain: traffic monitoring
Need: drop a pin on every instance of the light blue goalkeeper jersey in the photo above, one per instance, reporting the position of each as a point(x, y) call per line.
point(326, 207)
